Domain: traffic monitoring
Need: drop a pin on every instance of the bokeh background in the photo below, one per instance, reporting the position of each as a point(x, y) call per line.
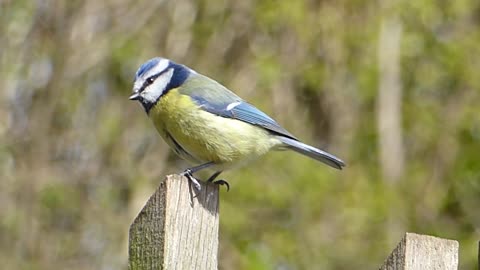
point(391, 87)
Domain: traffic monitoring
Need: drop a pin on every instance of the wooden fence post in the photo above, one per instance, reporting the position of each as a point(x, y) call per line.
point(177, 228)
point(423, 252)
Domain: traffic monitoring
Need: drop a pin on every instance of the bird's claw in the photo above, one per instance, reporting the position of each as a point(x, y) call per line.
point(222, 183)
point(188, 173)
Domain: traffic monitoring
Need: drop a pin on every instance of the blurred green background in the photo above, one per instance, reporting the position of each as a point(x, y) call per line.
point(391, 87)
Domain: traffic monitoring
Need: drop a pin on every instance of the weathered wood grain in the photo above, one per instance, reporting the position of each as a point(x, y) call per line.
point(177, 228)
point(423, 252)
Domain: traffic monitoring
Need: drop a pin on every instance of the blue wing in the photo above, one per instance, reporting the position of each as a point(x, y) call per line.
point(217, 99)
point(245, 112)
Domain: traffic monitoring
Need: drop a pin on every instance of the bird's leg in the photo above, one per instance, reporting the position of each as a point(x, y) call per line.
point(218, 182)
point(211, 178)
point(222, 182)
point(190, 171)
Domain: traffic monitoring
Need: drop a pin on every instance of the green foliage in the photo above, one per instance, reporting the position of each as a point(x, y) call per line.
point(78, 159)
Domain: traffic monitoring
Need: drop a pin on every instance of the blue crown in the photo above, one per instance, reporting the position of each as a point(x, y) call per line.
point(147, 65)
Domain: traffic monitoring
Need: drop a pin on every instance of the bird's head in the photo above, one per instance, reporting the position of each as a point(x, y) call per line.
point(155, 78)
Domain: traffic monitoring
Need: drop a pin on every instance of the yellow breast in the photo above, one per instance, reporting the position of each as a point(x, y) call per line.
point(208, 137)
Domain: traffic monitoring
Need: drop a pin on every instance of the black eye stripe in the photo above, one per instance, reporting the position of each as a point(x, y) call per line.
point(151, 79)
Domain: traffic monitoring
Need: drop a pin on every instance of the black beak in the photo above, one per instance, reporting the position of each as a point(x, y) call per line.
point(135, 96)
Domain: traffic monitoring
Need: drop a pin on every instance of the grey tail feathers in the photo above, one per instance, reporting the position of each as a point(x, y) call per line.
point(312, 152)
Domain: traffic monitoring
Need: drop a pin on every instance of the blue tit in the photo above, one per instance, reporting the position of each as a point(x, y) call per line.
point(207, 124)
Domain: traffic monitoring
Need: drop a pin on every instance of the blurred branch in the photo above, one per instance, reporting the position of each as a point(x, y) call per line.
point(389, 103)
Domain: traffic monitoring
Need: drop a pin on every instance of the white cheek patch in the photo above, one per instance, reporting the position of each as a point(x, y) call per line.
point(156, 89)
point(161, 66)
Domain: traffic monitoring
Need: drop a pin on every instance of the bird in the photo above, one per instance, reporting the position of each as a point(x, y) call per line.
point(207, 124)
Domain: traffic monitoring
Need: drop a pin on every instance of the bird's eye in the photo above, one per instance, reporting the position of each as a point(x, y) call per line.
point(150, 80)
